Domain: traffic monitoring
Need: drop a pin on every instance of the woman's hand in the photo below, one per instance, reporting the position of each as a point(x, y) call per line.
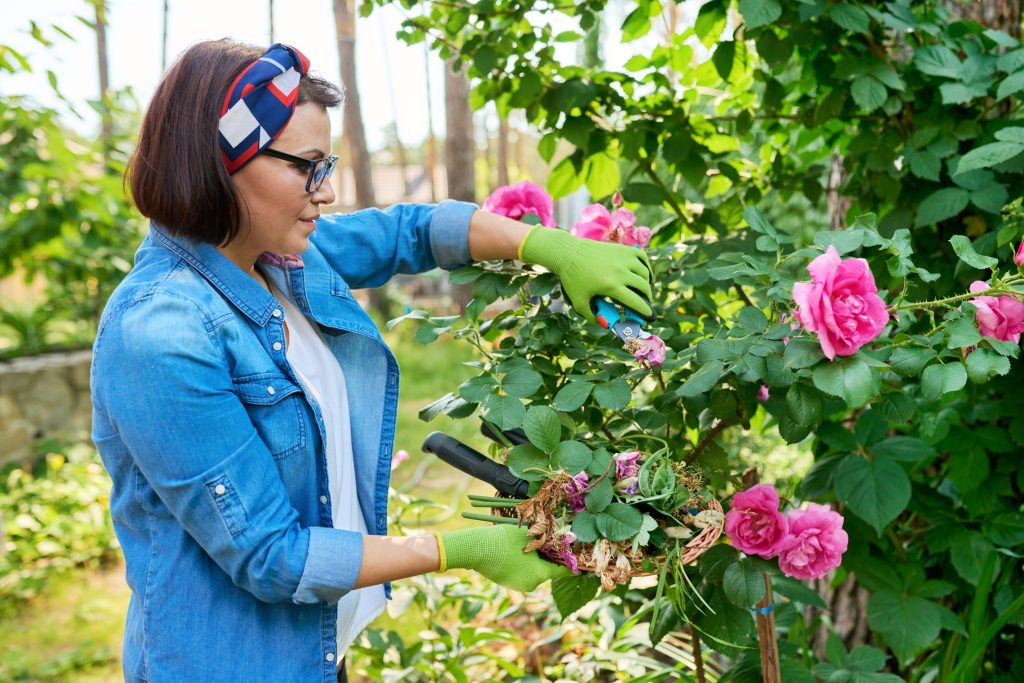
point(496, 552)
point(591, 269)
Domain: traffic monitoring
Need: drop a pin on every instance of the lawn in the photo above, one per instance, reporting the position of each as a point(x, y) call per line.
point(73, 630)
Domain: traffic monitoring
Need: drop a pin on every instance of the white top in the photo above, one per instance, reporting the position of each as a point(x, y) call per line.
point(322, 377)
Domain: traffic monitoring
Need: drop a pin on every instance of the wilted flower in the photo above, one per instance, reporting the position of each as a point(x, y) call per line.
point(577, 490)
point(650, 351)
point(559, 547)
point(627, 464)
point(627, 486)
point(840, 304)
point(522, 199)
point(596, 223)
point(678, 532)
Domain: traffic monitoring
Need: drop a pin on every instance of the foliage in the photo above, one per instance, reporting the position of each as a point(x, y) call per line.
point(917, 434)
point(53, 519)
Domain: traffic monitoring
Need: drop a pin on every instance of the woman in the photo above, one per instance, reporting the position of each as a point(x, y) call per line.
point(244, 404)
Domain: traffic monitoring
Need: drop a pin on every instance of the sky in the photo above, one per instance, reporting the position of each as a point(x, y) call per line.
point(385, 64)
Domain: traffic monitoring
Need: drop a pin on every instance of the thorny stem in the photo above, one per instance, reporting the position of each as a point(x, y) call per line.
point(669, 195)
point(743, 295)
point(708, 438)
point(937, 303)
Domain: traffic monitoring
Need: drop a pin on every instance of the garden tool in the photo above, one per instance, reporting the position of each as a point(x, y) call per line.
point(476, 464)
point(623, 322)
point(514, 436)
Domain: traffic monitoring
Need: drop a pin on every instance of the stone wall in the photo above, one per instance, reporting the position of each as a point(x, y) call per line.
point(43, 397)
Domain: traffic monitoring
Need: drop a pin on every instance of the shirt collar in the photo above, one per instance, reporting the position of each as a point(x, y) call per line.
point(236, 285)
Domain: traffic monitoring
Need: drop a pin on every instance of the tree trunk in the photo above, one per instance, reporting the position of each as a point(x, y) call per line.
point(1002, 15)
point(502, 150)
point(353, 132)
point(271, 12)
point(163, 40)
point(431, 161)
point(107, 121)
point(459, 152)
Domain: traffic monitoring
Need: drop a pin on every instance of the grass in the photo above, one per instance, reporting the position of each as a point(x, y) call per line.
point(73, 630)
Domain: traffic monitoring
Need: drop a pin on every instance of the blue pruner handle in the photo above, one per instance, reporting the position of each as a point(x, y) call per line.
point(608, 314)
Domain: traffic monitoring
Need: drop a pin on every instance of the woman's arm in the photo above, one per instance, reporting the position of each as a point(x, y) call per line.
point(495, 237)
point(388, 558)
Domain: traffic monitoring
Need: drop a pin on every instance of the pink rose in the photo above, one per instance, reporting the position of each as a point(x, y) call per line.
point(577, 490)
point(521, 199)
point(650, 352)
point(596, 223)
point(999, 317)
point(763, 394)
point(398, 458)
point(840, 304)
point(754, 524)
point(1018, 257)
point(815, 544)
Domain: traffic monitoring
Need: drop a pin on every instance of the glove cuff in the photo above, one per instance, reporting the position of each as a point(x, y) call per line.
point(442, 555)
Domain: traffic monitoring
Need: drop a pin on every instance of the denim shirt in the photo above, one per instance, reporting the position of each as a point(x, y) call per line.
point(220, 498)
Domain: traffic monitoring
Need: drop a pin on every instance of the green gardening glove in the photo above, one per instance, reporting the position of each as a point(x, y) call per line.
point(589, 269)
point(496, 552)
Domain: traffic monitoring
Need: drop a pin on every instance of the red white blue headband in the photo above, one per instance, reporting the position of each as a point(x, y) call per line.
point(259, 104)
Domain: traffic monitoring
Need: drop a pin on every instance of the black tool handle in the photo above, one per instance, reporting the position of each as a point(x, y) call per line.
point(515, 436)
point(476, 464)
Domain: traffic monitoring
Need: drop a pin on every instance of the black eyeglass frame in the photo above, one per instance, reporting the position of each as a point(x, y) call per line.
point(329, 162)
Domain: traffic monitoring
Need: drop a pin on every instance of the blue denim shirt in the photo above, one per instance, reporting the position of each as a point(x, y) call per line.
point(219, 497)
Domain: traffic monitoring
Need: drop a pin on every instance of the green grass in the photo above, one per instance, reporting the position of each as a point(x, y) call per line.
point(73, 630)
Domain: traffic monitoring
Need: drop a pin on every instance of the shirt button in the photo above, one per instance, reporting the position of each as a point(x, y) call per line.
point(271, 391)
point(277, 313)
point(330, 657)
point(219, 489)
point(277, 346)
point(323, 499)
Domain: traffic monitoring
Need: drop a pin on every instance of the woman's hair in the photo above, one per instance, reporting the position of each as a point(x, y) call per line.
point(176, 173)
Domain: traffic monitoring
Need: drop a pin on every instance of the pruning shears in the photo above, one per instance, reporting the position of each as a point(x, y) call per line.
point(623, 322)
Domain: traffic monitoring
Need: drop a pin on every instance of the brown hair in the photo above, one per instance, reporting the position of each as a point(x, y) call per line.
point(176, 174)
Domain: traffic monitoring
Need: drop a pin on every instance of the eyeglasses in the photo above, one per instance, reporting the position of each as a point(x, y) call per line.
point(319, 169)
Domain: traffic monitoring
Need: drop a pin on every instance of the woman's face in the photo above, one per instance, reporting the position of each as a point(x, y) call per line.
point(280, 211)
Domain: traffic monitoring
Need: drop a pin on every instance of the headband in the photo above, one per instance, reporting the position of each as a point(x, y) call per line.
point(259, 104)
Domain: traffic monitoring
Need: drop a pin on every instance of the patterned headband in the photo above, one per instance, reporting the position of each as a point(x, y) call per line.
point(259, 104)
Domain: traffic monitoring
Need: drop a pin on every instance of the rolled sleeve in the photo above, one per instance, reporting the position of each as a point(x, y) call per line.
point(449, 233)
point(332, 565)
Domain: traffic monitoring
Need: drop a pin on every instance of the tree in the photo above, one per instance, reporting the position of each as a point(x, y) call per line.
point(353, 134)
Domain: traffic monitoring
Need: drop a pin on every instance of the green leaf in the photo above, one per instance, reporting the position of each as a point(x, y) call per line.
point(584, 525)
point(910, 361)
point(942, 204)
point(573, 592)
point(925, 164)
point(619, 522)
point(723, 58)
point(797, 591)
point(1005, 529)
point(572, 456)
point(992, 197)
point(753, 319)
point(613, 395)
point(564, 180)
point(804, 405)
point(938, 60)
point(759, 12)
point(844, 241)
point(543, 428)
point(851, 380)
point(903, 449)
point(505, 411)
point(988, 155)
point(968, 468)
point(968, 551)
point(850, 17)
point(602, 174)
point(602, 460)
point(743, 584)
point(599, 496)
point(984, 364)
point(876, 490)
point(1010, 85)
point(525, 456)
point(802, 353)
point(758, 223)
point(521, 382)
point(572, 396)
point(938, 380)
point(703, 380)
point(961, 333)
point(908, 623)
point(868, 93)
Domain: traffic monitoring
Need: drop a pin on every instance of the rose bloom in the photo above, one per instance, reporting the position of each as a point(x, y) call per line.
point(999, 317)
point(521, 199)
point(763, 394)
point(754, 524)
point(577, 490)
point(398, 458)
point(840, 304)
point(627, 464)
point(815, 544)
point(1018, 257)
point(596, 223)
point(650, 352)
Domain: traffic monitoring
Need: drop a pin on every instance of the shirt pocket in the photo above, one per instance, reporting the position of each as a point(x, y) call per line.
point(274, 404)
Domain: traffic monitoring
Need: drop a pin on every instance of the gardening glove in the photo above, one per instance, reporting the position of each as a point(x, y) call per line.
point(496, 552)
point(589, 269)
